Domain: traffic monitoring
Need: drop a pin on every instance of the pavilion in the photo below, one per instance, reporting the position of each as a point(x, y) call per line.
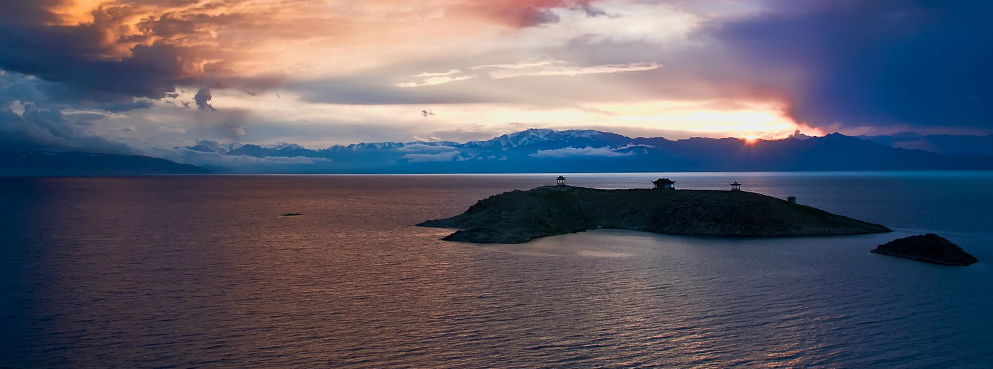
point(664, 184)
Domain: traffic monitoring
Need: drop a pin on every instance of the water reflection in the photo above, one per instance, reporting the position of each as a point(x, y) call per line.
point(202, 271)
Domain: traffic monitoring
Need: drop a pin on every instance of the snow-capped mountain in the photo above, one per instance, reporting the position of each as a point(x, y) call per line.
point(213, 146)
point(546, 150)
point(537, 136)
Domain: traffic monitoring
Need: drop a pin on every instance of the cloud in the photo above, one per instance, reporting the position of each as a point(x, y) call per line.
point(526, 13)
point(232, 123)
point(117, 50)
point(871, 62)
point(540, 61)
point(443, 156)
point(124, 105)
point(542, 66)
point(435, 81)
point(428, 138)
point(172, 129)
point(849, 65)
point(592, 11)
point(74, 58)
point(586, 151)
point(469, 157)
point(108, 50)
point(50, 129)
point(419, 147)
point(241, 163)
point(440, 74)
point(574, 71)
point(202, 99)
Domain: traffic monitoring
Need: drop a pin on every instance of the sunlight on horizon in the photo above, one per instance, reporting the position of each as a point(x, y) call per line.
point(670, 119)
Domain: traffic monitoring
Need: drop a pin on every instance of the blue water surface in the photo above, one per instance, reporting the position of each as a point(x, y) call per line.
point(203, 271)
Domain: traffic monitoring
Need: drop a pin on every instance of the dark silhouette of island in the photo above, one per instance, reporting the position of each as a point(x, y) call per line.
point(520, 216)
point(929, 248)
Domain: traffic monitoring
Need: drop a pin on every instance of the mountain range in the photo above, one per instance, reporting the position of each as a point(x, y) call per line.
point(47, 163)
point(533, 151)
point(546, 150)
point(944, 144)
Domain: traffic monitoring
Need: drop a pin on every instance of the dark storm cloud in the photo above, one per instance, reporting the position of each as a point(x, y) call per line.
point(57, 54)
point(202, 99)
point(28, 11)
point(923, 63)
point(124, 105)
point(43, 124)
point(81, 58)
point(108, 58)
point(18, 87)
point(41, 93)
point(50, 129)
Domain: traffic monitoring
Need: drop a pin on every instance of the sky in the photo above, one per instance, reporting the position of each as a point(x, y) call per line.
point(142, 76)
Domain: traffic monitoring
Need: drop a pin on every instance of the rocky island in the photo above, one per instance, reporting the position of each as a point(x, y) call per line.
point(929, 248)
point(520, 216)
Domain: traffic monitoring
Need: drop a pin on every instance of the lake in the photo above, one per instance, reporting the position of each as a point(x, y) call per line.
point(202, 271)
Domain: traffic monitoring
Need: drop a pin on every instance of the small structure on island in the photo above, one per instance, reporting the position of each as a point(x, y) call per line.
point(664, 184)
point(560, 181)
point(791, 199)
point(735, 186)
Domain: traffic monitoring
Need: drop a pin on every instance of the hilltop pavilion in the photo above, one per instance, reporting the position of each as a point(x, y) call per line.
point(664, 184)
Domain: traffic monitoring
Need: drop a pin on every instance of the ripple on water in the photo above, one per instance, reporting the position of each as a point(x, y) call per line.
point(202, 272)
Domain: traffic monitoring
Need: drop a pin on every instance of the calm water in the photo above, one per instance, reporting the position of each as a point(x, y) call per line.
point(203, 272)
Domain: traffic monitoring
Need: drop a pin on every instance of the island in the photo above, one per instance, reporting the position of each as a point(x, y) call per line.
point(520, 216)
point(929, 248)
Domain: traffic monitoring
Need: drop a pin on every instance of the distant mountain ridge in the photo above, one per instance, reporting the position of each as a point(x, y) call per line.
point(942, 144)
point(546, 150)
point(47, 163)
point(512, 140)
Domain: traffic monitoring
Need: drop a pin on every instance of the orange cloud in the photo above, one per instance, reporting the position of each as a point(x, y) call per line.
point(522, 13)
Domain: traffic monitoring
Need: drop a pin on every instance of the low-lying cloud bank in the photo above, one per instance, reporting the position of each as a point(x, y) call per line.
point(586, 151)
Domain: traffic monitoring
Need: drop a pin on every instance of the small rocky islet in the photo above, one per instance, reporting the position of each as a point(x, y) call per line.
point(520, 216)
point(929, 248)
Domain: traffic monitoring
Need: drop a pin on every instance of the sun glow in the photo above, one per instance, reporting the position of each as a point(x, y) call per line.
point(752, 120)
point(246, 49)
point(674, 120)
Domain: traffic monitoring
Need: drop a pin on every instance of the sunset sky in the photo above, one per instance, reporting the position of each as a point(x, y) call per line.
point(125, 76)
